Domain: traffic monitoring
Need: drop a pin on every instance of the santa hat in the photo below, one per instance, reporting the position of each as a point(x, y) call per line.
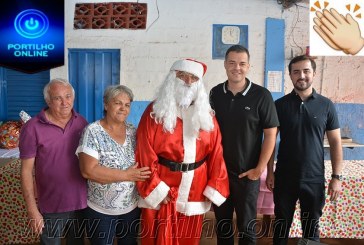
point(194, 67)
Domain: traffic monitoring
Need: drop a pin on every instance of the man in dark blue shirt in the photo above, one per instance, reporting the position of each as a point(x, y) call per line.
point(304, 117)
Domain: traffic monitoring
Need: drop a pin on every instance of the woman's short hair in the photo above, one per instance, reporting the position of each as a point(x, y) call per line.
point(114, 90)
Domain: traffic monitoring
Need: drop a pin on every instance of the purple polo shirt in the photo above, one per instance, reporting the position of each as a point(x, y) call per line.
point(60, 186)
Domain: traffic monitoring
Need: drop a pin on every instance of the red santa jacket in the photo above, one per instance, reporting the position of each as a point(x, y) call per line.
point(196, 188)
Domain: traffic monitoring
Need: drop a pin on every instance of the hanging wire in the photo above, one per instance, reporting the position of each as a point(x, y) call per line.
point(293, 28)
point(291, 35)
point(156, 4)
point(288, 3)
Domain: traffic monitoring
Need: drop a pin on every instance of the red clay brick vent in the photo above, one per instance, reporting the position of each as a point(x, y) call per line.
point(110, 16)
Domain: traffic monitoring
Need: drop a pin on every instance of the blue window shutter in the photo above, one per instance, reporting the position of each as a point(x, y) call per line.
point(91, 71)
point(22, 91)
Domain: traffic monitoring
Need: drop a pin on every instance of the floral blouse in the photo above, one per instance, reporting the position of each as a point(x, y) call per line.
point(114, 198)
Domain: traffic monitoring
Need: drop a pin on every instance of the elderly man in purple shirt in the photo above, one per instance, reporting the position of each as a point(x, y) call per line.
point(47, 144)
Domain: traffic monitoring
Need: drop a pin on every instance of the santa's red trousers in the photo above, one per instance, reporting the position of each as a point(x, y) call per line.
point(168, 227)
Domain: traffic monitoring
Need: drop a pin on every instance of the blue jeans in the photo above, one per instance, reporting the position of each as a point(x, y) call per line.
point(59, 225)
point(103, 228)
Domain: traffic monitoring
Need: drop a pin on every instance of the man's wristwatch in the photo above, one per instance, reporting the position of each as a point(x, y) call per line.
point(337, 176)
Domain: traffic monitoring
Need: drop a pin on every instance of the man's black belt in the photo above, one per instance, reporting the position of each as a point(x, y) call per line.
point(181, 167)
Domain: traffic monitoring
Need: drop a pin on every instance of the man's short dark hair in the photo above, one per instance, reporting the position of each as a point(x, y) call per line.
point(301, 58)
point(238, 49)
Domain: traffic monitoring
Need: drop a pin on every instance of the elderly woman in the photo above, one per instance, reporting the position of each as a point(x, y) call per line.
point(106, 155)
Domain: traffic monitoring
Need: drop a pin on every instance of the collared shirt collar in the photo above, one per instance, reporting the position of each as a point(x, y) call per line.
point(313, 95)
point(44, 119)
point(244, 92)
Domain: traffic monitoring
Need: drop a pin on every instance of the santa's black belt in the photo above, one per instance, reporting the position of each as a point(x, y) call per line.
point(181, 167)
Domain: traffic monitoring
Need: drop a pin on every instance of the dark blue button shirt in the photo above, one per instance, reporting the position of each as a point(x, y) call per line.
point(302, 128)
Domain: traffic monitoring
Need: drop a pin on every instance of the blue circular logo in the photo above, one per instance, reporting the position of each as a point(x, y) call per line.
point(31, 23)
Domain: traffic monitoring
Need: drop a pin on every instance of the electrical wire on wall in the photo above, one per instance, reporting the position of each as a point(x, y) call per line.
point(291, 36)
point(156, 4)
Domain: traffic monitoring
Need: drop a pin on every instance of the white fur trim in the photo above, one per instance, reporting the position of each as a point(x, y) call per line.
point(189, 139)
point(155, 197)
point(143, 204)
point(190, 66)
point(186, 208)
point(189, 146)
point(185, 186)
point(193, 208)
point(213, 195)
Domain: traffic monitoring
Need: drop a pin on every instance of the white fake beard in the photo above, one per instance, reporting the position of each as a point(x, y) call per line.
point(185, 94)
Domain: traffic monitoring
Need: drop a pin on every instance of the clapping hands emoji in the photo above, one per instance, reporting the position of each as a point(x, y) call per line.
point(339, 32)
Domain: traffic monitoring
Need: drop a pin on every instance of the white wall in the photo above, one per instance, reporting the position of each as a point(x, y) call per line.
point(183, 29)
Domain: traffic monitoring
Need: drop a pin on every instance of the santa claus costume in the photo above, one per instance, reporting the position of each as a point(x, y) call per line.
point(179, 139)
